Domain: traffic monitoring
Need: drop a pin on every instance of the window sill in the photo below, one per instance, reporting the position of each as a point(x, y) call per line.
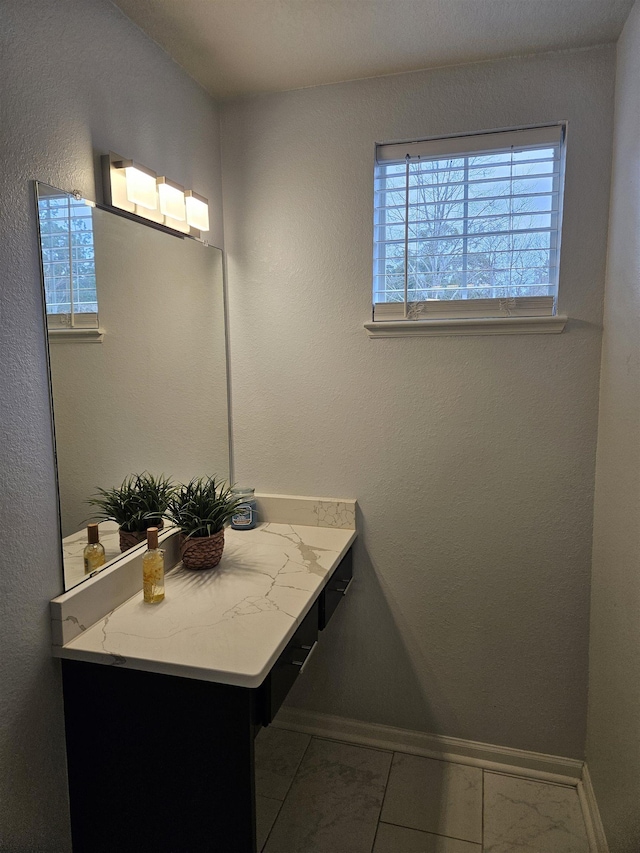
point(468, 326)
point(80, 336)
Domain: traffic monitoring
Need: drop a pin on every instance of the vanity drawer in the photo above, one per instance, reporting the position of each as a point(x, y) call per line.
point(289, 665)
point(336, 589)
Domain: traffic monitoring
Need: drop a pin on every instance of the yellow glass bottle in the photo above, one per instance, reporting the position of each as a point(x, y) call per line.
point(153, 569)
point(94, 556)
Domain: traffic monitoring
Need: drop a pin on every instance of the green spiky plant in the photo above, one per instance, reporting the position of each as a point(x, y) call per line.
point(202, 506)
point(139, 503)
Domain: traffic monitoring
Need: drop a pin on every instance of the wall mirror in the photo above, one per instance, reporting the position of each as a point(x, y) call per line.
point(137, 355)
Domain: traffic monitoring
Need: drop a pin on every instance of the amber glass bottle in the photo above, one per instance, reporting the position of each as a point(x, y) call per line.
point(153, 569)
point(94, 555)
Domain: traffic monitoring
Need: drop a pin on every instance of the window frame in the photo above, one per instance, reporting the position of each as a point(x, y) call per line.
point(497, 315)
point(73, 323)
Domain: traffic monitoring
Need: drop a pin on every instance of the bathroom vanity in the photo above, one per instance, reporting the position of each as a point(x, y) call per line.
point(163, 702)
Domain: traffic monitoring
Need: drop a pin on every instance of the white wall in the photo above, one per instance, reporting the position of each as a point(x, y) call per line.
point(472, 458)
point(78, 79)
point(613, 741)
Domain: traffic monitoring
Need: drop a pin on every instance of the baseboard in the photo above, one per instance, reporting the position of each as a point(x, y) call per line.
point(501, 759)
point(591, 814)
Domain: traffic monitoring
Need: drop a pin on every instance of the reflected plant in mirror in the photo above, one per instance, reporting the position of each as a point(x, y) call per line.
point(139, 503)
point(122, 398)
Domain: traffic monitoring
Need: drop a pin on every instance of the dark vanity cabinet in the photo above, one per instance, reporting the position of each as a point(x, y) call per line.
point(165, 764)
point(335, 590)
point(289, 666)
point(158, 763)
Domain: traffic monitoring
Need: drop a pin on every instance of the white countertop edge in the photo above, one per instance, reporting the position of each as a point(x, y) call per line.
point(162, 668)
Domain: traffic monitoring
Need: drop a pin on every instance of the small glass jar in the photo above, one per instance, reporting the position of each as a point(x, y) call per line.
point(246, 515)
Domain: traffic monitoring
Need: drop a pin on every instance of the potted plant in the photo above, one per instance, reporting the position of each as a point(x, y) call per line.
point(139, 503)
point(200, 509)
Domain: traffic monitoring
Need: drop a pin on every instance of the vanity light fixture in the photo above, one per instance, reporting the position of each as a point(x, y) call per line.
point(197, 210)
point(140, 184)
point(172, 205)
point(172, 202)
point(138, 190)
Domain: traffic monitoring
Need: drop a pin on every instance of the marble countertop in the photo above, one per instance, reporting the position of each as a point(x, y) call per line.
point(229, 624)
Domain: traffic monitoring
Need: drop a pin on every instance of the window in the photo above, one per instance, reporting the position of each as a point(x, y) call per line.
point(468, 226)
point(68, 260)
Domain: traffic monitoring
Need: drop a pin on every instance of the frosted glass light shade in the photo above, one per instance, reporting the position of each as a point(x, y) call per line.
point(141, 185)
point(171, 197)
point(197, 210)
point(118, 189)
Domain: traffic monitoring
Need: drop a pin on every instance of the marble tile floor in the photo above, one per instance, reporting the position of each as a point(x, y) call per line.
point(321, 796)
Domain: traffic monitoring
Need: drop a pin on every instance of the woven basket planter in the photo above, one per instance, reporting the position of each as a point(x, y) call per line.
point(202, 552)
point(131, 538)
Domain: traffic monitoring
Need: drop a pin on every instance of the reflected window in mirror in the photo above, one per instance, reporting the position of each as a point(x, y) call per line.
point(68, 260)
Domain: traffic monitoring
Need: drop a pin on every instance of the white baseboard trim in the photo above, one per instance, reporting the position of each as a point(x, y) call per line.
point(500, 759)
point(591, 814)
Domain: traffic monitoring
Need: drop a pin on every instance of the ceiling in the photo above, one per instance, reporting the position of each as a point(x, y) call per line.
point(239, 47)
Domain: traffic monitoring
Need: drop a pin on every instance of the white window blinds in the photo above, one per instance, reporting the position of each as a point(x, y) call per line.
point(68, 260)
point(468, 226)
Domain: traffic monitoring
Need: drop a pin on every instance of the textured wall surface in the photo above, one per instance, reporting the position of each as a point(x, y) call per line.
point(613, 739)
point(472, 459)
point(78, 79)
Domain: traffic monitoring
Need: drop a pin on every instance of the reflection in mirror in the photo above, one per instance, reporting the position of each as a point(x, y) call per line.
point(68, 260)
point(136, 328)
